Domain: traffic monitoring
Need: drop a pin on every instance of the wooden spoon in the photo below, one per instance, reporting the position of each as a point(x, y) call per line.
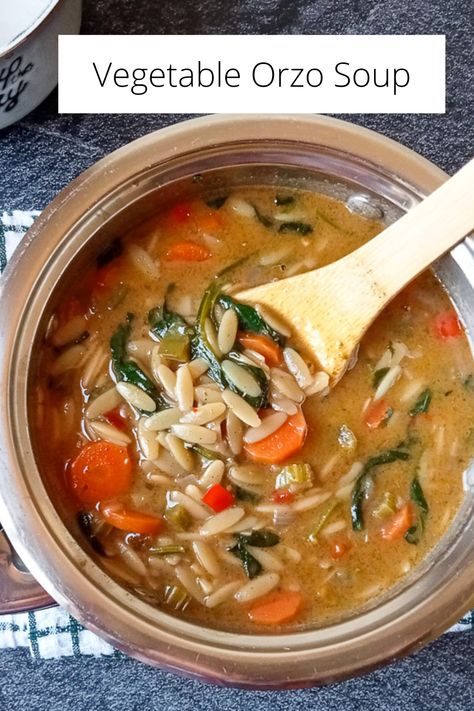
point(330, 309)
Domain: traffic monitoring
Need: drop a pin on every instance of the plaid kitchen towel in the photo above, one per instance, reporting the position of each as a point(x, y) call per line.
point(54, 633)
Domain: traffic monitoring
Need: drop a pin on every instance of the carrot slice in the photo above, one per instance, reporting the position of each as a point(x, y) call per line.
point(377, 414)
point(447, 325)
point(277, 609)
point(399, 524)
point(107, 277)
point(128, 520)
point(282, 444)
point(209, 222)
point(270, 350)
point(100, 470)
point(179, 213)
point(187, 252)
point(339, 547)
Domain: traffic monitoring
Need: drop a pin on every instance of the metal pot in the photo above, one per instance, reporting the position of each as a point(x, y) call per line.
point(314, 152)
point(29, 57)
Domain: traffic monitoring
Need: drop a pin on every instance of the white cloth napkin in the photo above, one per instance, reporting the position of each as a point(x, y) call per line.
point(54, 633)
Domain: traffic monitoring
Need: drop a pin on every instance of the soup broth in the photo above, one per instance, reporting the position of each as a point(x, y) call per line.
point(205, 463)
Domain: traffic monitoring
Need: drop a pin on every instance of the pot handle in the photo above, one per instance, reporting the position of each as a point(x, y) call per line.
point(19, 591)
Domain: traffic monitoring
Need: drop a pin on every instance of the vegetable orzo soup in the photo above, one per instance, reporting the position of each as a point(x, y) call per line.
point(199, 457)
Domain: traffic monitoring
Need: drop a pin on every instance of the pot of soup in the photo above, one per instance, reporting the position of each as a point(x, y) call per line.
point(174, 472)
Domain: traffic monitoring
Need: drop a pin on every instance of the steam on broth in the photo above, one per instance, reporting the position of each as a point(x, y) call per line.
point(205, 464)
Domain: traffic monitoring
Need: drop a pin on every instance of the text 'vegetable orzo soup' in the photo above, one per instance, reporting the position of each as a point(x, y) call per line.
point(206, 463)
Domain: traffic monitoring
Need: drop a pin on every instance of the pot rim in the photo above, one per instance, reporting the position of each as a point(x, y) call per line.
point(60, 216)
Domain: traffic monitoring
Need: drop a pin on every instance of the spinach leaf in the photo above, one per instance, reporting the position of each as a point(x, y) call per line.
point(282, 200)
point(250, 319)
point(113, 251)
point(301, 228)
point(200, 345)
point(245, 494)
point(251, 566)
point(217, 202)
point(417, 496)
point(422, 404)
point(162, 322)
point(263, 219)
point(378, 377)
point(127, 370)
point(414, 533)
point(259, 375)
point(260, 539)
point(364, 482)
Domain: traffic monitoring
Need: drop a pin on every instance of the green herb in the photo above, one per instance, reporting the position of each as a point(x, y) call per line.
point(263, 219)
point(283, 200)
point(422, 404)
point(176, 597)
point(85, 520)
point(365, 479)
point(378, 377)
point(301, 228)
point(217, 202)
point(250, 319)
point(414, 533)
point(167, 550)
point(208, 454)
point(113, 251)
point(322, 519)
point(251, 566)
point(262, 538)
point(127, 370)
point(246, 495)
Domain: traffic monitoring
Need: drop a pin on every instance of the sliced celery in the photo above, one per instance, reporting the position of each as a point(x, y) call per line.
point(387, 507)
point(294, 474)
point(175, 346)
point(176, 597)
point(322, 519)
point(178, 516)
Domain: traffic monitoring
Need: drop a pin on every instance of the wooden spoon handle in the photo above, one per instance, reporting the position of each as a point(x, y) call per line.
point(408, 246)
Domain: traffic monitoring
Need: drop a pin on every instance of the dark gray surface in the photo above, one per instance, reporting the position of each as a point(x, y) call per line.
point(44, 152)
point(440, 676)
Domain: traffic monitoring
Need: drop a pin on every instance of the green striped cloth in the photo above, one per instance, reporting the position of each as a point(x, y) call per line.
point(54, 633)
